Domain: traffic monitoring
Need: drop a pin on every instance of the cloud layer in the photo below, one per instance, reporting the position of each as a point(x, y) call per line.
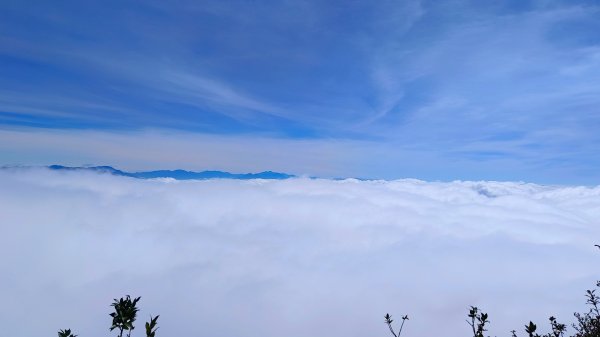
point(297, 257)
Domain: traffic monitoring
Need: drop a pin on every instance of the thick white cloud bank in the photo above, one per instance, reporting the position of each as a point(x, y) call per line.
point(294, 258)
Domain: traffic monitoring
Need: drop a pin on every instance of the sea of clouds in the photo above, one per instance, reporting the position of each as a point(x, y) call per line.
point(294, 258)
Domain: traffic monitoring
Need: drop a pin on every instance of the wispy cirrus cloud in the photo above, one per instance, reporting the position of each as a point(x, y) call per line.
point(448, 79)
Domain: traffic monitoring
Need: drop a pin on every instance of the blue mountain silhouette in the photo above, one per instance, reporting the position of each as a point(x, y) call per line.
point(175, 174)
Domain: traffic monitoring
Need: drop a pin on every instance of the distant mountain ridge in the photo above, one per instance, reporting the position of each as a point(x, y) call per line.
point(175, 174)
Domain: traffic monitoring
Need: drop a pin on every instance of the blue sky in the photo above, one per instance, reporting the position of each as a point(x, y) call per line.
point(437, 90)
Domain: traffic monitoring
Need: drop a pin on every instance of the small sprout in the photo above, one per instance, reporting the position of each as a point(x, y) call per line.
point(151, 326)
point(389, 320)
point(530, 329)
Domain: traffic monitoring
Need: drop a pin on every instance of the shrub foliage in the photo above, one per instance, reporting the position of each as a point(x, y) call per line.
point(587, 324)
point(123, 317)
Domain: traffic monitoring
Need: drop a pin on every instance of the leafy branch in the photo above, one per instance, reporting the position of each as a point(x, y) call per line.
point(389, 320)
point(123, 317)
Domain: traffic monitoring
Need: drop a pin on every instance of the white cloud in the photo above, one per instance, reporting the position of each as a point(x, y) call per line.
point(296, 257)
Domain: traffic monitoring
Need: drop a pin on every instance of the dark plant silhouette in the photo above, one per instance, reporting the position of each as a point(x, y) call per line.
point(558, 329)
point(530, 329)
point(66, 333)
point(123, 318)
point(389, 320)
point(588, 324)
point(478, 321)
point(124, 315)
point(151, 326)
